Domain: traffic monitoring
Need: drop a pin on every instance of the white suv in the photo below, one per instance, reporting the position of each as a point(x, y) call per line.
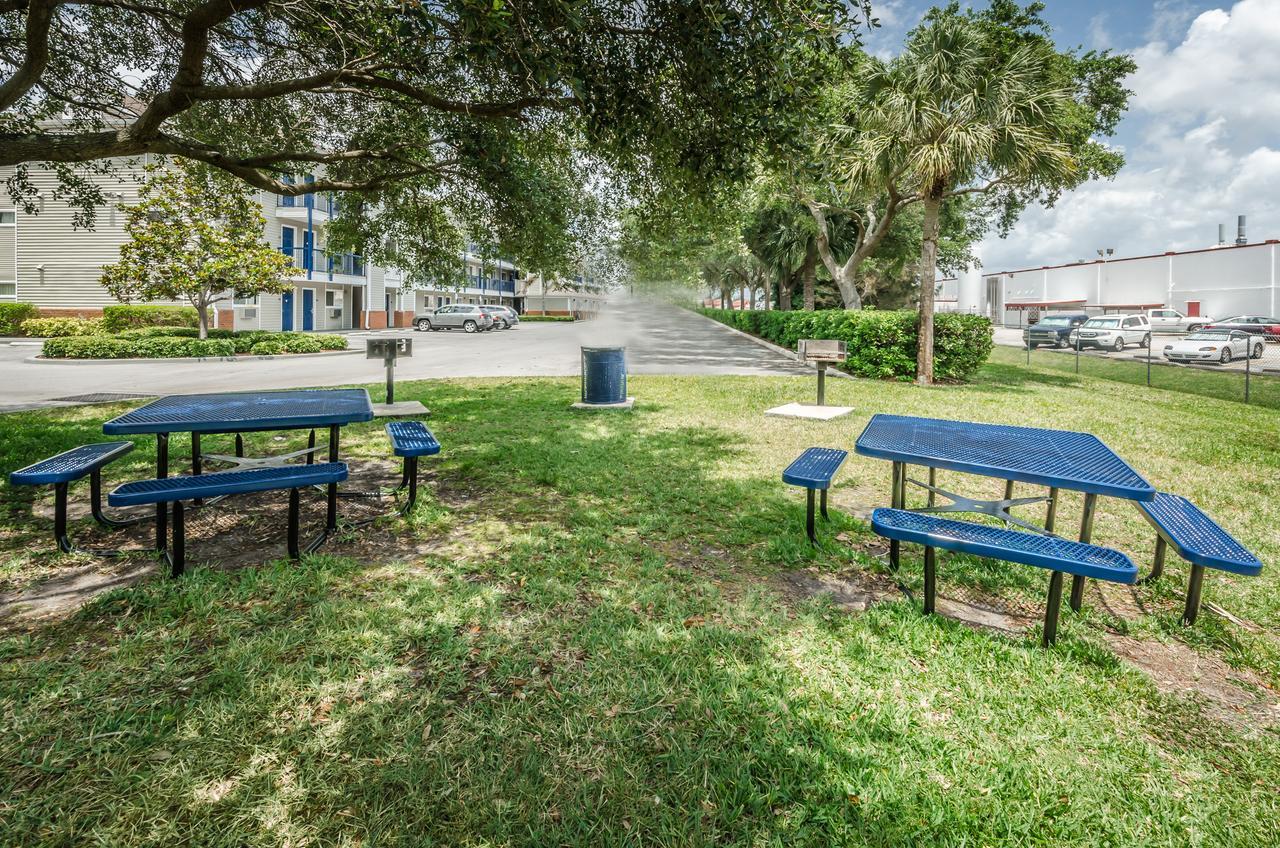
point(1113, 332)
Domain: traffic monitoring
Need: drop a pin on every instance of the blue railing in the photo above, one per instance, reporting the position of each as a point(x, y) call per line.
point(319, 202)
point(316, 261)
point(492, 284)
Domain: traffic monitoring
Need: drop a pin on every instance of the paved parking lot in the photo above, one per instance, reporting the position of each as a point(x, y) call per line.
point(1269, 364)
point(659, 340)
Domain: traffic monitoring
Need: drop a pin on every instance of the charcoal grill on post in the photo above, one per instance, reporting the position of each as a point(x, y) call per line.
point(389, 350)
point(822, 352)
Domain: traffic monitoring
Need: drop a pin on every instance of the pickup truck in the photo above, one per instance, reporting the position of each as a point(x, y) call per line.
point(1173, 321)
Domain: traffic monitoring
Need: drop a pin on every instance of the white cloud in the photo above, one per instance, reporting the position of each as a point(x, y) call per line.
point(1099, 35)
point(1204, 129)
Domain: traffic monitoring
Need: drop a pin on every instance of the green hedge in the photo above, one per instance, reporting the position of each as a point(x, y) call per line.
point(13, 314)
point(52, 328)
point(88, 347)
point(881, 344)
point(127, 316)
point(169, 347)
point(172, 342)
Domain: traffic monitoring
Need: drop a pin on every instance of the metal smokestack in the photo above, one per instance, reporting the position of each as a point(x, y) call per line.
point(1240, 239)
point(1222, 234)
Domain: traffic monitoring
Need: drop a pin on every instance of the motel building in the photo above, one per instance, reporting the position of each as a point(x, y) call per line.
point(1220, 281)
point(46, 261)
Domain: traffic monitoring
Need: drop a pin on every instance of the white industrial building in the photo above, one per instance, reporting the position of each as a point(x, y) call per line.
point(1220, 281)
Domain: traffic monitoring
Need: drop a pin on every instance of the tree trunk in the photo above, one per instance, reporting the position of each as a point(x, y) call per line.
point(202, 316)
point(809, 273)
point(785, 286)
point(726, 302)
point(928, 270)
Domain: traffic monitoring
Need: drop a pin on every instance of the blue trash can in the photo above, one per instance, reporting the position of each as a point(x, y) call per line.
point(604, 375)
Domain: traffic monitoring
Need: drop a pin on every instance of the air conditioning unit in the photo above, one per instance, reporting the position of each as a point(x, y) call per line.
point(251, 312)
point(335, 311)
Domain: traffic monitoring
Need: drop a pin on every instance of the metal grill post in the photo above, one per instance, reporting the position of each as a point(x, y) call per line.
point(822, 383)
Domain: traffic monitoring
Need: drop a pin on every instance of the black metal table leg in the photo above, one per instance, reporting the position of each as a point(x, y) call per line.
point(195, 462)
point(899, 501)
point(1086, 534)
point(823, 503)
point(1051, 512)
point(311, 444)
point(930, 578)
point(331, 519)
point(1051, 609)
point(179, 558)
point(239, 445)
point(808, 518)
point(162, 471)
point(95, 506)
point(293, 524)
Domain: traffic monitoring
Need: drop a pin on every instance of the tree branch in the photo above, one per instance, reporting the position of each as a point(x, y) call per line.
point(39, 20)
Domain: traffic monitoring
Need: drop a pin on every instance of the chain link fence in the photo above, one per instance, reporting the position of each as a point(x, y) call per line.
point(1229, 365)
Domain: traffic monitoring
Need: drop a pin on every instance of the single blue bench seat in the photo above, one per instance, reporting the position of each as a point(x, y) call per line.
point(174, 490)
point(1049, 552)
point(66, 468)
point(814, 470)
point(411, 440)
point(1199, 540)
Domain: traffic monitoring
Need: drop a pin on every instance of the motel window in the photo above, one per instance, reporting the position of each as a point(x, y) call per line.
point(252, 300)
point(8, 216)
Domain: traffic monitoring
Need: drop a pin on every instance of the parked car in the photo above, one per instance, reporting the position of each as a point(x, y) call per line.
point(1054, 330)
point(457, 316)
point(1257, 325)
point(1113, 332)
point(504, 316)
point(1214, 346)
point(1173, 321)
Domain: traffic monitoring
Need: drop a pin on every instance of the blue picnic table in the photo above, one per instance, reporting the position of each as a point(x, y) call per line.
point(1055, 459)
point(244, 412)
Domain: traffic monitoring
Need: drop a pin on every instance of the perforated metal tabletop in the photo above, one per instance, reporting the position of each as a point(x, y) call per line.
point(243, 412)
point(1058, 458)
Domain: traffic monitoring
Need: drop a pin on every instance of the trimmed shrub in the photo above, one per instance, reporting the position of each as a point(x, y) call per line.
point(127, 316)
point(267, 347)
point(160, 332)
point(88, 347)
point(53, 328)
point(13, 314)
point(168, 347)
point(882, 345)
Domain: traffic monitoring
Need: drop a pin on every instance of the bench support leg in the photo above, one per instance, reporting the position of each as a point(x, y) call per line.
point(410, 474)
point(1086, 535)
point(179, 558)
point(930, 578)
point(1157, 562)
point(808, 518)
point(1193, 596)
point(823, 503)
point(331, 518)
point(60, 518)
point(293, 524)
point(95, 506)
point(1051, 609)
point(898, 501)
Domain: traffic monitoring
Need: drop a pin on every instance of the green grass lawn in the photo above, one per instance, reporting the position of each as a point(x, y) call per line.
point(579, 639)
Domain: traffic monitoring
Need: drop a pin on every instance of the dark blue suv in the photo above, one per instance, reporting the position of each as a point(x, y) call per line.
point(1053, 329)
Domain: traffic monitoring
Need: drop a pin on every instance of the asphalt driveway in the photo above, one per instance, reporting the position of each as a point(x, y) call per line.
point(660, 339)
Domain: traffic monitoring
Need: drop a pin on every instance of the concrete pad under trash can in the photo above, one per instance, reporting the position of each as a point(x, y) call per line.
point(626, 404)
point(808, 410)
point(398, 409)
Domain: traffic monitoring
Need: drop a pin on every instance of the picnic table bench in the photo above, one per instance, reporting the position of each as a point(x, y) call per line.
point(814, 470)
point(174, 490)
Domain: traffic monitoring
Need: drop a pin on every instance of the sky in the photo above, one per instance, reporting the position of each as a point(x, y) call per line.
point(1201, 138)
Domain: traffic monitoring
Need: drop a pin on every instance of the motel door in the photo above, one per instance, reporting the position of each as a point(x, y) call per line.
point(308, 309)
point(286, 312)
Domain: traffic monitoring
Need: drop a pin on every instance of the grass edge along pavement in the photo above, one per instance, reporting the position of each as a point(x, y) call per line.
point(576, 640)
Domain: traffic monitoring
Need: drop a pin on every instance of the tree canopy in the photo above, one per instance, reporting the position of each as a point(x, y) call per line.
point(491, 115)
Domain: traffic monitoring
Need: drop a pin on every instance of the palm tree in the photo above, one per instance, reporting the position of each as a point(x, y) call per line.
point(956, 113)
point(783, 237)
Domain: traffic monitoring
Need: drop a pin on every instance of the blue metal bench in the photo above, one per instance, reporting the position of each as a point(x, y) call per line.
point(66, 468)
point(814, 469)
point(174, 490)
point(411, 440)
point(1199, 540)
point(1049, 552)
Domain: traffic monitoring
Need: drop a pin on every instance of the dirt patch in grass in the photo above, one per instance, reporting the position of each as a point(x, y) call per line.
point(1237, 697)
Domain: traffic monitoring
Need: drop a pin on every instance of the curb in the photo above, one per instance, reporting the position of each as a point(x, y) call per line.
point(778, 349)
point(249, 357)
